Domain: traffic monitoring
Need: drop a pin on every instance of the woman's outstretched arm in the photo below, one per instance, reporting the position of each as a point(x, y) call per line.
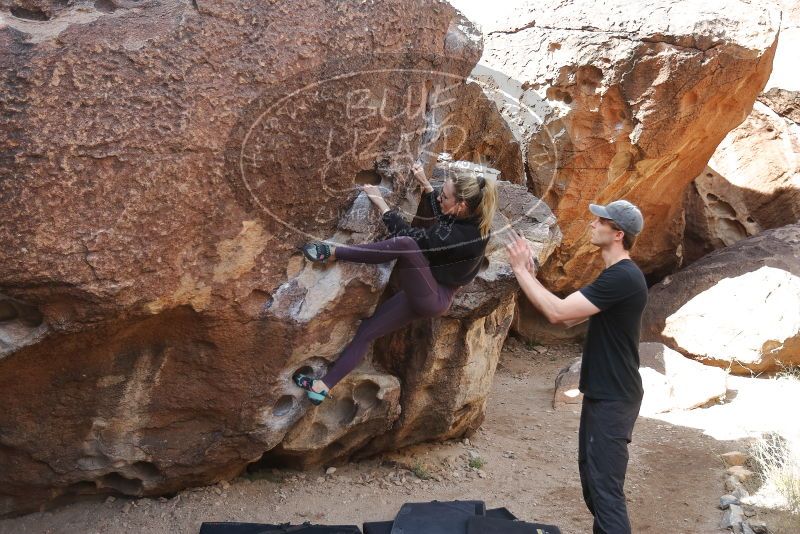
point(428, 193)
point(396, 225)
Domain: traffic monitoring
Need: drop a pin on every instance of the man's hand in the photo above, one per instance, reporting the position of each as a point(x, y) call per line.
point(519, 254)
point(568, 311)
point(419, 174)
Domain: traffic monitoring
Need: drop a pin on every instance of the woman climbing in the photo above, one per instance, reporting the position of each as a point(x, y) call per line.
point(432, 263)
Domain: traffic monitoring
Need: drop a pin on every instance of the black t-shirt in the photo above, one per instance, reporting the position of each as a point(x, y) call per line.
point(610, 367)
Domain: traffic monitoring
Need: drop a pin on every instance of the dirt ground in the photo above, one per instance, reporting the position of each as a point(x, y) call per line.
point(528, 454)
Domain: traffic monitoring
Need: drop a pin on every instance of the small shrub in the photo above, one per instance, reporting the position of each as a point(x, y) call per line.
point(421, 471)
point(477, 463)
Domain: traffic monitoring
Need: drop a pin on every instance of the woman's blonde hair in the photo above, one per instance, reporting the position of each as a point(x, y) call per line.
point(477, 191)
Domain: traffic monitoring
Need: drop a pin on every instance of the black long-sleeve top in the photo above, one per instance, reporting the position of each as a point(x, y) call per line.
point(453, 247)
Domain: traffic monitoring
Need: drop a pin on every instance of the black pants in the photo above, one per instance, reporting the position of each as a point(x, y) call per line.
point(606, 429)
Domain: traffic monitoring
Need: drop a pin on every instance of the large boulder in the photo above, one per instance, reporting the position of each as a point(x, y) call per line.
point(566, 393)
point(752, 182)
point(716, 215)
point(160, 162)
point(738, 307)
point(670, 380)
point(622, 100)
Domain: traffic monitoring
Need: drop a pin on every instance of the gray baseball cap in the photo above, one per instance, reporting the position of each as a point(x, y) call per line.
point(623, 213)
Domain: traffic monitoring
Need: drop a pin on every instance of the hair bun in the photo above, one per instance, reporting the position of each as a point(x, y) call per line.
point(481, 182)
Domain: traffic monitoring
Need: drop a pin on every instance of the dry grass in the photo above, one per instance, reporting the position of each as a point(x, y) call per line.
point(788, 372)
point(778, 462)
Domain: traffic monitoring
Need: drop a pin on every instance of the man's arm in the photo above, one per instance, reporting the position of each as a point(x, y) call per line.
point(569, 311)
point(570, 324)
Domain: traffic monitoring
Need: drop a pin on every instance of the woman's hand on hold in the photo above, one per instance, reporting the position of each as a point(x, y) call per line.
point(419, 174)
point(374, 194)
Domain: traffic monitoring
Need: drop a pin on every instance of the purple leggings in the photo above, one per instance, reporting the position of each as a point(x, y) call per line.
point(420, 296)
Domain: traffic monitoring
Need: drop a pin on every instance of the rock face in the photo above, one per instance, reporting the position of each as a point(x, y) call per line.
point(160, 163)
point(671, 381)
point(738, 307)
point(471, 129)
point(752, 182)
point(532, 326)
point(716, 215)
point(783, 102)
point(626, 100)
point(367, 404)
point(448, 366)
point(674, 382)
point(38, 10)
point(566, 393)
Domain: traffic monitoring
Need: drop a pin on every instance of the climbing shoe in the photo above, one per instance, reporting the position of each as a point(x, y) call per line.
point(316, 251)
point(306, 383)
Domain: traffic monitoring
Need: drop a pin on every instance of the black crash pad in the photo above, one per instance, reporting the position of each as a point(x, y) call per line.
point(385, 527)
point(493, 525)
point(257, 528)
point(500, 513)
point(436, 517)
point(378, 527)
